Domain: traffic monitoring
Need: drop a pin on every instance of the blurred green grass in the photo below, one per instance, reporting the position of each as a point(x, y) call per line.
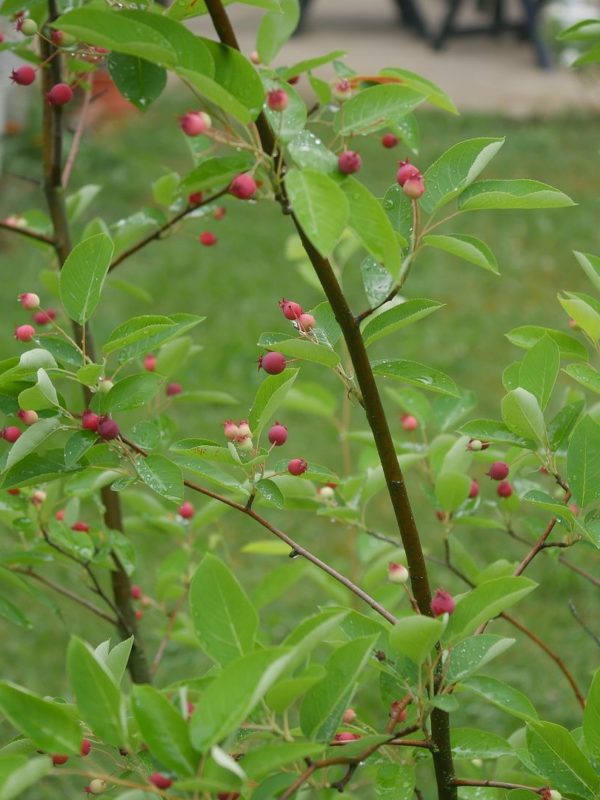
point(237, 284)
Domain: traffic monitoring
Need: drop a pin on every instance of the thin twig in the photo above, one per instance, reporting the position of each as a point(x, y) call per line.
point(70, 162)
point(585, 627)
point(569, 565)
point(167, 636)
point(497, 785)
point(537, 548)
point(39, 237)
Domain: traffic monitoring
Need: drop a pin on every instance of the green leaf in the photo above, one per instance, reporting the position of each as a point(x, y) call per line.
point(36, 469)
point(309, 64)
point(591, 266)
point(320, 207)
point(586, 317)
point(118, 658)
point(502, 696)
point(224, 618)
point(260, 762)
point(520, 194)
point(371, 224)
point(290, 122)
point(522, 415)
point(414, 636)
point(527, 335)
point(466, 247)
point(456, 169)
point(418, 374)
point(275, 29)
point(139, 81)
point(563, 422)
point(548, 503)
point(162, 476)
point(32, 439)
point(41, 396)
point(392, 317)
point(591, 718)
point(377, 281)
point(323, 705)
point(272, 493)
point(18, 773)
point(429, 89)
point(486, 601)
point(585, 375)
point(98, 697)
point(299, 348)
point(470, 655)
point(270, 395)
point(539, 369)
point(77, 446)
point(399, 209)
point(164, 730)
point(234, 74)
point(83, 273)
point(452, 489)
point(287, 690)
point(473, 743)
point(309, 152)
point(216, 171)
point(394, 781)
point(49, 725)
point(555, 756)
point(374, 108)
point(491, 430)
point(131, 392)
point(583, 462)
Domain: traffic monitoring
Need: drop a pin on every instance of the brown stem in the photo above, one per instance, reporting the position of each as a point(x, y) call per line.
point(569, 565)
point(52, 150)
point(497, 785)
point(70, 162)
point(593, 636)
point(39, 237)
point(537, 548)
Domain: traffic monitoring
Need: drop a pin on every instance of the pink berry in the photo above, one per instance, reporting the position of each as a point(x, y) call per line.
point(306, 322)
point(136, 591)
point(397, 573)
point(474, 490)
point(90, 420)
point(195, 198)
point(38, 497)
point(173, 389)
point(297, 466)
point(195, 123)
point(139, 614)
point(25, 333)
point(11, 434)
point(290, 309)
point(349, 716)
point(414, 187)
point(160, 780)
point(186, 510)
point(349, 162)
point(346, 736)
point(57, 38)
point(108, 428)
point(60, 514)
point(342, 89)
point(398, 711)
point(244, 429)
point(243, 187)
point(150, 362)
point(29, 301)
point(44, 317)
point(86, 747)
point(409, 423)
point(504, 489)
point(231, 430)
point(57, 760)
point(277, 100)
point(389, 140)
point(207, 238)
point(273, 362)
point(81, 527)
point(442, 603)
point(406, 170)
point(60, 94)
point(23, 76)
point(28, 417)
point(498, 471)
point(219, 213)
point(278, 434)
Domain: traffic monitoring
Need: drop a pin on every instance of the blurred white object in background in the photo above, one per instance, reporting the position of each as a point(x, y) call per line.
point(560, 14)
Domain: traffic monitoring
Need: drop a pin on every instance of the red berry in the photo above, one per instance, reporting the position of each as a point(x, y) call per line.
point(190, 708)
point(414, 187)
point(349, 716)
point(173, 389)
point(89, 420)
point(60, 94)
point(29, 300)
point(474, 490)
point(243, 187)
point(25, 333)
point(195, 123)
point(498, 471)
point(24, 75)
point(273, 362)
point(504, 489)
point(228, 796)
point(290, 309)
point(389, 140)
point(86, 747)
point(442, 603)
point(346, 736)
point(207, 238)
point(186, 510)
point(277, 100)
point(349, 162)
point(11, 434)
point(195, 198)
point(28, 417)
point(409, 423)
point(57, 760)
point(230, 429)
point(57, 38)
point(60, 514)
point(278, 434)
point(81, 527)
point(406, 170)
point(160, 780)
point(14, 491)
point(139, 614)
point(297, 466)
point(150, 362)
point(397, 711)
point(136, 591)
point(44, 317)
point(108, 428)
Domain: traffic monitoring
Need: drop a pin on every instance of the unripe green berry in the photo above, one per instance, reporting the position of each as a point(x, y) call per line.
point(97, 786)
point(105, 385)
point(29, 27)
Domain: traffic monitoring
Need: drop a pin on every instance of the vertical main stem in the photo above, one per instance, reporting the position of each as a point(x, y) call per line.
point(52, 164)
point(377, 419)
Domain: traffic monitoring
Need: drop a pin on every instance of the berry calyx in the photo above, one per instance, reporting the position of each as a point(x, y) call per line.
point(277, 100)
point(97, 786)
point(58, 759)
point(290, 309)
point(342, 90)
point(108, 428)
point(504, 489)
point(474, 490)
point(136, 591)
point(195, 123)
point(23, 76)
point(29, 301)
point(150, 362)
point(44, 317)
point(28, 417)
point(243, 186)
point(231, 430)
point(442, 602)
point(160, 780)
point(349, 716)
point(389, 140)
point(349, 162)
point(346, 736)
point(406, 170)
point(297, 466)
point(174, 389)
point(278, 434)
point(498, 471)
point(306, 322)
point(24, 333)
point(11, 433)
point(195, 198)
point(186, 510)
point(272, 362)
point(397, 573)
point(90, 420)
point(60, 94)
point(81, 527)
point(86, 747)
point(409, 423)
point(207, 238)
point(414, 187)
